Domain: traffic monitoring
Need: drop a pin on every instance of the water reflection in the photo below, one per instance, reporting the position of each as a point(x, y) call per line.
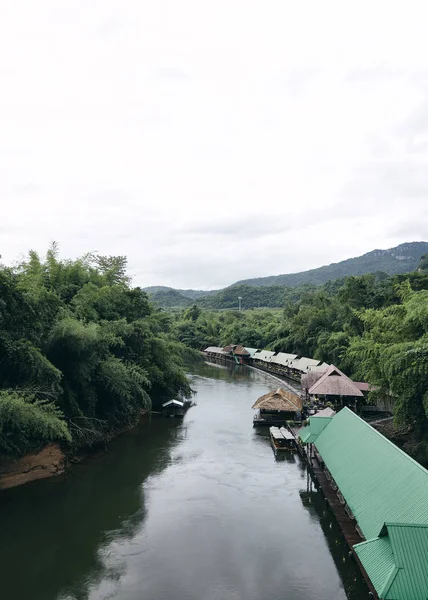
point(313, 500)
point(52, 531)
point(193, 511)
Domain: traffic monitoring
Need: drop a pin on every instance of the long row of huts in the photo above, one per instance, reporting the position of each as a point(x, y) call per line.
point(320, 382)
point(290, 365)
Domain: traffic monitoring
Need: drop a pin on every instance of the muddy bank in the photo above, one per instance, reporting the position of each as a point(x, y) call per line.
point(52, 461)
point(47, 463)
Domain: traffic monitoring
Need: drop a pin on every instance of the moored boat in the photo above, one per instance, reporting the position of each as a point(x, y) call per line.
point(282, 440)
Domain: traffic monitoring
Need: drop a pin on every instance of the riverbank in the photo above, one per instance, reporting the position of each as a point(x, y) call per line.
point(51, 461)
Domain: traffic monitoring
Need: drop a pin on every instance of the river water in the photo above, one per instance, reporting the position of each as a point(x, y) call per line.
point(198, 510)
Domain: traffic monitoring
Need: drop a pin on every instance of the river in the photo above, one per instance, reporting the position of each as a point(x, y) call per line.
point(198, 510)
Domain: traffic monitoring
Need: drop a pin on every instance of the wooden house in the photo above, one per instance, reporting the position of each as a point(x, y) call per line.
point(333, 386)
point(173, 408)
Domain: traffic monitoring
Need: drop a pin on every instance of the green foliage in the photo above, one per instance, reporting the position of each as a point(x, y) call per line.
point(27, 424)
point(373, 327)
point(77, 332)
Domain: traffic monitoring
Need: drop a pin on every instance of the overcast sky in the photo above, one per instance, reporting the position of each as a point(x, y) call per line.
point(212, 141)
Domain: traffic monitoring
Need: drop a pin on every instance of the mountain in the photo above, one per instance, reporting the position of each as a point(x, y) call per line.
point(192, 294)
point(169, 298)
point(271, 291)
point(401, 259)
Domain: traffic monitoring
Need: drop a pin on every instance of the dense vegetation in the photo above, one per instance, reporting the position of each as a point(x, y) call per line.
point(373, 327)
point(274, 291)
point(81, 352)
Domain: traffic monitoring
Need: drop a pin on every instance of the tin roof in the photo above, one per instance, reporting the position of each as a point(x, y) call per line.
point(264, 355)
point(397, 562)
point(302, 364)
point(379, 482)
point(251, 351)
point(282, 358)
point(309, 434)
point(173, 403)
point(214, 350)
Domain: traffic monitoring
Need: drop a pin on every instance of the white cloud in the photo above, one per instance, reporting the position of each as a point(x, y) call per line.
point(211, 142)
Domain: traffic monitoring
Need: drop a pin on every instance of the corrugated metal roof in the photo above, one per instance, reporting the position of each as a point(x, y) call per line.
point(377, 559)
point(264, 355)
point(410, 547)
point(325, 412)
point(309, 434)
point(334, 383)
point(378, 480)
point(214, 350)
point(397, 562)
point(282, 358)
point(323, 367)
point(252, 351)
point(173, 402)
point(302, 364)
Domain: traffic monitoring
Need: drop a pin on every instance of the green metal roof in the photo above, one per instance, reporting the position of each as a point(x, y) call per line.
point(397, 562)
point(379, 482)
point(309, 434)
point(377, 559)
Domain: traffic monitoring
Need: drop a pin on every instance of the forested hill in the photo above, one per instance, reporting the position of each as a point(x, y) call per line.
point(401, 259)
point(275, 290)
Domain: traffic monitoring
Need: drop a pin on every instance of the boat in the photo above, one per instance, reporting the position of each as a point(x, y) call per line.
point(176, 408)
point(282, 440)
point(173, 408)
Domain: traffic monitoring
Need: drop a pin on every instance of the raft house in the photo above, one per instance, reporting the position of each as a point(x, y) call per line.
point(322, 384)
point(277, 407)
point(176, 408)
point(379, 496)
point(288, 365)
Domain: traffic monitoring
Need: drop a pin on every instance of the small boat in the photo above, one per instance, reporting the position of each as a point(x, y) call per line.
point(173, 408)
point(282, 440)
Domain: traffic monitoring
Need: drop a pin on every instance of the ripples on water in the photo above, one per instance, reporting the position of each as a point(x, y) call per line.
point(198, 510)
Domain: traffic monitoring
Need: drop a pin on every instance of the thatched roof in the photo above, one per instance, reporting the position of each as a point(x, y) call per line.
point(334, 383)
point(241, 351)
point(311, 377)
point(279, 399)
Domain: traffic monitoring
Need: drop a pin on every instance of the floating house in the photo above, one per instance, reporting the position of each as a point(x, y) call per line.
point(215, 353)
point(261, 358)
point(238, 353)
point(280, 363)
point(277, 407)
point(332, 386)
point(173, 408)
point(385, 495)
